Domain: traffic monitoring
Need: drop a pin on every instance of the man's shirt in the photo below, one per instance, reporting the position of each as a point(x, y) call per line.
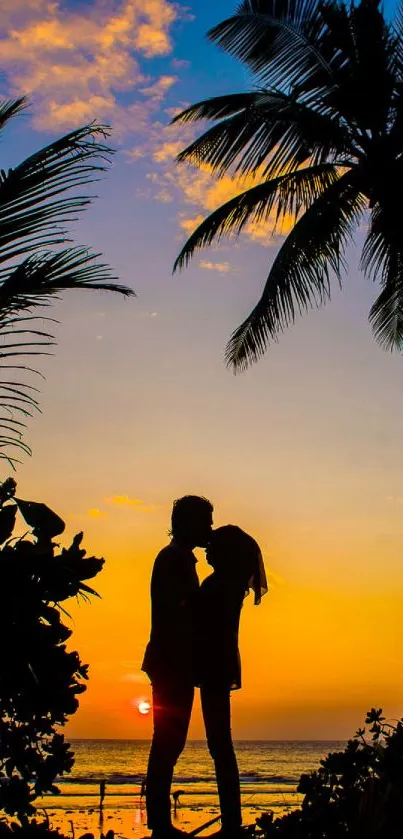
point(174, 588)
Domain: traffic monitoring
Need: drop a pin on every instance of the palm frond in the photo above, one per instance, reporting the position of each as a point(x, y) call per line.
point(382, 259)
point(397, 29)
point(9, 108)
point(278, 39)
point(36, 280)
point(33, 284)
point(300, 276)
point(366, 49)
point(273, 130)
point(386, 315)
point(217, 107)
point(35, 205)
point(29, 215)
point(286, 195)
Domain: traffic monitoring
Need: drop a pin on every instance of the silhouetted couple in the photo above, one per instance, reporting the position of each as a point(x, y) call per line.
point(194, 642)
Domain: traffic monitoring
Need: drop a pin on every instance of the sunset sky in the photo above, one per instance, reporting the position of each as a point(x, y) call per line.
point(304, 450)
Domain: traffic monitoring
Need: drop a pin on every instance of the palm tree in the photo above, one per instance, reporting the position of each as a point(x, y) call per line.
point(322, 133)
point(33, 212)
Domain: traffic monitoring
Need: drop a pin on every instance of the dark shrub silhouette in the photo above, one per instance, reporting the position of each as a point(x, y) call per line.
point(41, 830)
point(357, 793)
point(39, 679)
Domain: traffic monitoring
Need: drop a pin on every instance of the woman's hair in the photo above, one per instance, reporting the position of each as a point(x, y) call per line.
point(241, 556)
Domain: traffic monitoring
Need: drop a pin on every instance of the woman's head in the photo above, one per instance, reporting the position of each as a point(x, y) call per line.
point(236, 556)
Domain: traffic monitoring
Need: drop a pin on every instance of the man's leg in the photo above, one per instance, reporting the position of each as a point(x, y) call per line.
point(216, 709)
point(172, 707)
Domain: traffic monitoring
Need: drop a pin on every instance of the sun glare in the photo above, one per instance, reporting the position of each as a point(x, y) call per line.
point(144, 707)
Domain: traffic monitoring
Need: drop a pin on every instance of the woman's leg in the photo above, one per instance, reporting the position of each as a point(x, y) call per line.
point(216, 709)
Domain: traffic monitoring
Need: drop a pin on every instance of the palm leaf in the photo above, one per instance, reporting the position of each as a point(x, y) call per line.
point(279, 41)
point(39, 277)
point(29, 217)
point(365, 64)
point(287, 193)
point(35, 205)
point(382, 258)
point(386, 315)
point(217, 107)
point(32, 284)
point(301, 272)
point(10, 108)
point(272, 130)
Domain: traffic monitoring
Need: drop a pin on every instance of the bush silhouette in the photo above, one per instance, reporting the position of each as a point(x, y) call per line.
point(356, 793)
point(39, 679)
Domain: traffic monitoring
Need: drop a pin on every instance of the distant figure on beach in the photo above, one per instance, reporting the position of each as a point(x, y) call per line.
point(169, 656)
point(238, 567)
point(175, 798)
point(143, 788)
point(102, 786)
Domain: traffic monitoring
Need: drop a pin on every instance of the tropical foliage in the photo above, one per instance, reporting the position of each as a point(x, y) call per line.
point(321, 133)
point(35, 829)
point(356, 793)
point(37, 199)
point(39, 679)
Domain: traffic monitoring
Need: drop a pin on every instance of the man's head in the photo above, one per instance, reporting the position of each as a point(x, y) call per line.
point(192, 520)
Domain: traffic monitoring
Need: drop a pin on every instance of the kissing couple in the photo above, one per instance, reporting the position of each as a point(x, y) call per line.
point(194, 643)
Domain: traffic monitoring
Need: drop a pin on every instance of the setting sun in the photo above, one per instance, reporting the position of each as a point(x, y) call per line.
point(144, 707)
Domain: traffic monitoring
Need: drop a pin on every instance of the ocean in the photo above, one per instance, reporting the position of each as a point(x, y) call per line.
point(269, 773)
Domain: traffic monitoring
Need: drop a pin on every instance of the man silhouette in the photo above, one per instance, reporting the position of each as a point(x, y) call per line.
point(168, 659)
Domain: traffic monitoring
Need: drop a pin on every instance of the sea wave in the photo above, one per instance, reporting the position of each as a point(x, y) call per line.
point(123, 779)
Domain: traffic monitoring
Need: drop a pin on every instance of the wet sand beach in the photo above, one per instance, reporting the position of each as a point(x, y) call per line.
point(269, 774)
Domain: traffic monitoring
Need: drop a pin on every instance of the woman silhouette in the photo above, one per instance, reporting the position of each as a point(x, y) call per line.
point(238, 567)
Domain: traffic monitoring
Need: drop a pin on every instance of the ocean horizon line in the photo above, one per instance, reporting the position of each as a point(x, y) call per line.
point(202, 740)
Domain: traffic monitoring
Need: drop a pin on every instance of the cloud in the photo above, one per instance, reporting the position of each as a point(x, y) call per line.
point(74, 62)
point(190, 224)
point(168, 151)
point(126, 501)
point(201, 189)
point(221, 267)
point(159, 88)
point(164, 196)
point(96, 513)
point(394, 499)
point(180, 63)
point(198, 186)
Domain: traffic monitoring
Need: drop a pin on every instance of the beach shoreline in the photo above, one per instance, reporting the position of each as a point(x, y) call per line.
point(130, 821)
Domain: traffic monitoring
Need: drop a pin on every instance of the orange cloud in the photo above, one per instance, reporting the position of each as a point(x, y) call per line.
point(221, 267)
point(152, 41)
point(126, 501)
point(202, 189)
point(160, 87)
point(96, 513)
point(168, 151)
point(75, 62)
point(190, 224)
